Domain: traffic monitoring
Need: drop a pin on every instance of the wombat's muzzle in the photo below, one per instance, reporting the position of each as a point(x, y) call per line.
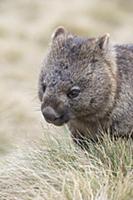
point(54, 117)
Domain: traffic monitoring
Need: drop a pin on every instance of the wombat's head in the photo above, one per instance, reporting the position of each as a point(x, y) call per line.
point(74, 81)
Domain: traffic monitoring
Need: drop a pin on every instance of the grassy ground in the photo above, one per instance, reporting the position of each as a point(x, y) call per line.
point(40, 161)
point(55, 169)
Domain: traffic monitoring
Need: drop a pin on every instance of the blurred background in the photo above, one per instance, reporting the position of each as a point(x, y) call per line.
point(25, 31)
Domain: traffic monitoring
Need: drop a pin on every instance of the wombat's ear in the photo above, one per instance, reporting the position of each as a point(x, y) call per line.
point(103, 42)
point(59, 31)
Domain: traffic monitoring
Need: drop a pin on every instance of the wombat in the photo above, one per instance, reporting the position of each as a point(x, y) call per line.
point(87, 83)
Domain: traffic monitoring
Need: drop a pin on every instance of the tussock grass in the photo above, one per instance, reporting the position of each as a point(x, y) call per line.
point(55, 168)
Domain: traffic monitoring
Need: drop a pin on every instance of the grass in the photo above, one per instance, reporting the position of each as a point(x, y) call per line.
point(43, 163)
point(55, 168)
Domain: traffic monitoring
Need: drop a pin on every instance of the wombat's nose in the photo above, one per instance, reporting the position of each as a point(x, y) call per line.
point(49, 114)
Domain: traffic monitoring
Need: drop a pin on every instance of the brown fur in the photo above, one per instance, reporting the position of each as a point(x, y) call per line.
point(104, 75)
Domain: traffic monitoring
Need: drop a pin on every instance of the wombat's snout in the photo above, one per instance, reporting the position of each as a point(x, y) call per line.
point(52, 116)
point(49, 114)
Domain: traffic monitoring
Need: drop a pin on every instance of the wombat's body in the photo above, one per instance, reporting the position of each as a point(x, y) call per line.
point(88, 84)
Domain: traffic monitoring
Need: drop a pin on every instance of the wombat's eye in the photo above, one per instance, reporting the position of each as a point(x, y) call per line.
point(43, 87)
point(74, 92)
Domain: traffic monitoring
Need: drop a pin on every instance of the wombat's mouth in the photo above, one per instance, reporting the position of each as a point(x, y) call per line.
point(59, 121)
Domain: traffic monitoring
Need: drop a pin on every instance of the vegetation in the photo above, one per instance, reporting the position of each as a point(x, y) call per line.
point(57, 169)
